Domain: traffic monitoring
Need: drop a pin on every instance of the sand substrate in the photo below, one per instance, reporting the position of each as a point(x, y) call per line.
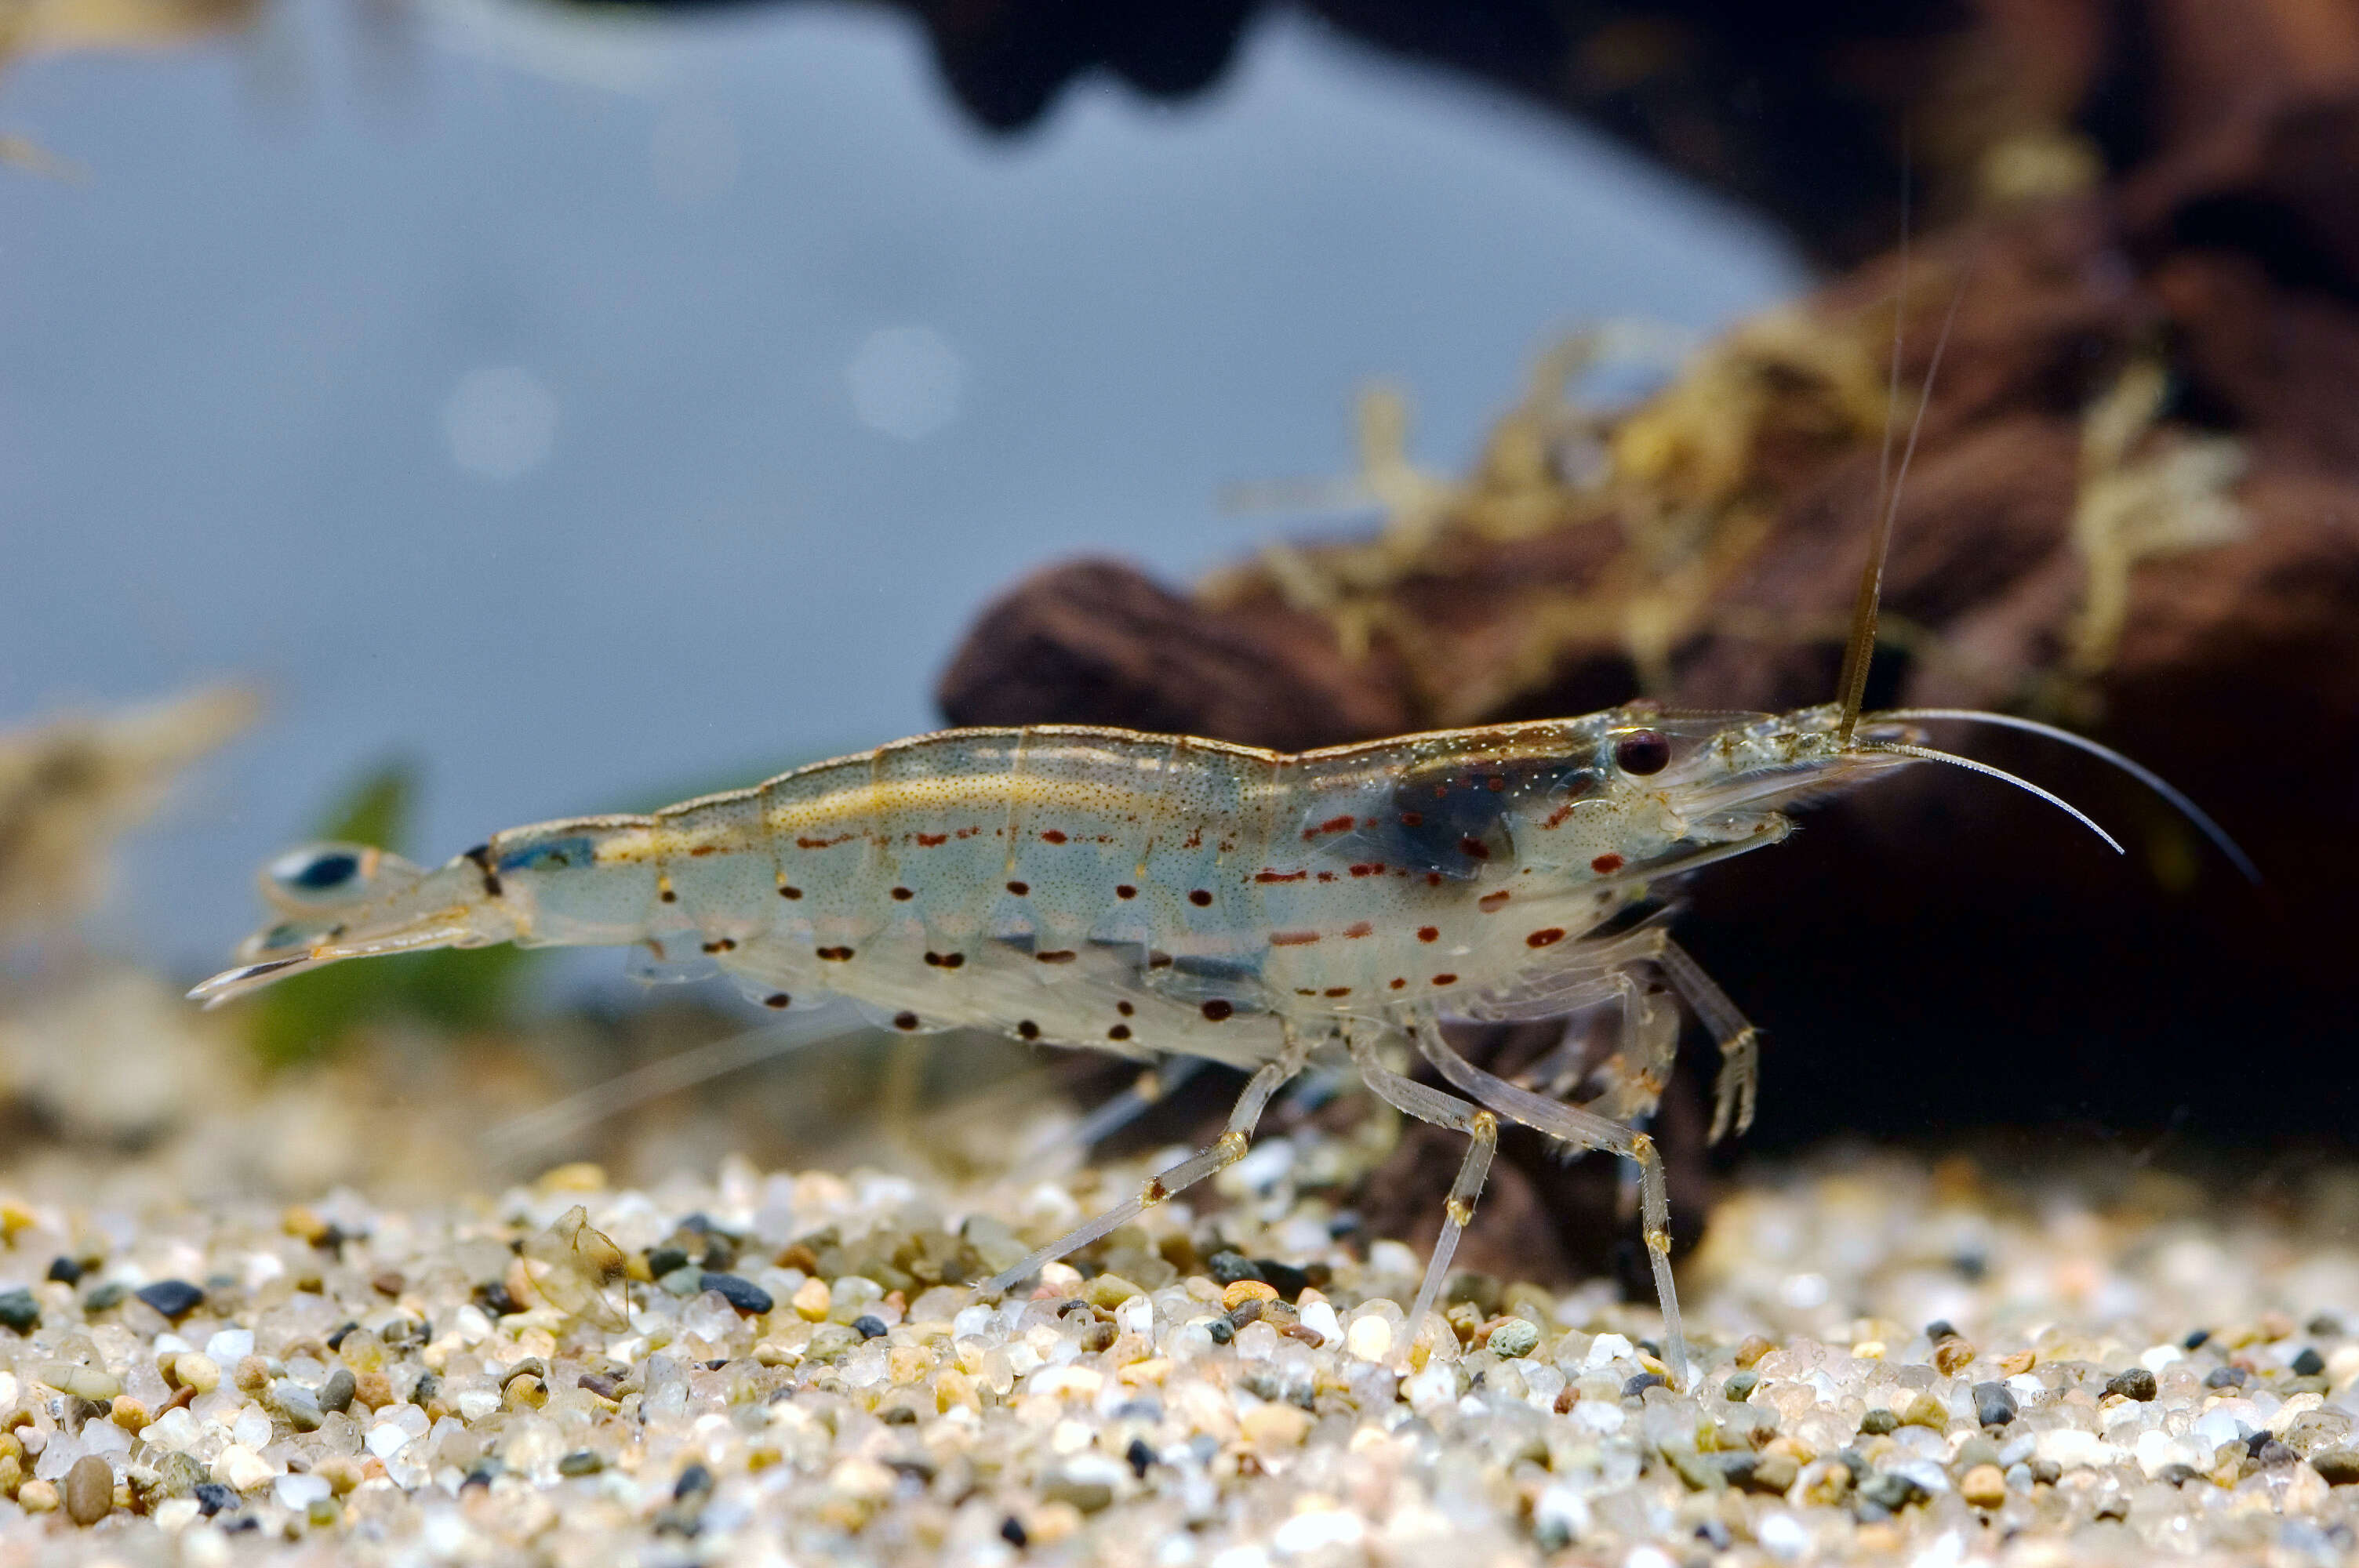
point(1900, 1362)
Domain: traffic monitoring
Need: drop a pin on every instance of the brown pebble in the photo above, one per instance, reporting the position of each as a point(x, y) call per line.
point(1243, 1291)
point(252, 1374)
point(2014, 1366)
point(90, 1490)
point(1752, 1348)
point(1952, 1354)
point(304, 1224)
point(1983, 1485)
point(128, 1413)
point(390, 1283)
point(1306, 1333)
point(796, 1256)
point(373, 1389)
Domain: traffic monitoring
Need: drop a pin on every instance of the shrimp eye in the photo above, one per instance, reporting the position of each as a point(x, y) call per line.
point(1642, 751)
point(320, 872)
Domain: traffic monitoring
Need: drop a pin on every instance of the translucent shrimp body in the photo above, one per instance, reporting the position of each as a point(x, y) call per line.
point(1150, 894)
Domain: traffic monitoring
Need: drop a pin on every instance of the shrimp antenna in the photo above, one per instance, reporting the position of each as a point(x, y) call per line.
point(1928, 754)
point(2178, 801)
point(1861, 648)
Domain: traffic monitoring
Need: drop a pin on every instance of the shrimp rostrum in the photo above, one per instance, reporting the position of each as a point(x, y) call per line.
point(1158, 895)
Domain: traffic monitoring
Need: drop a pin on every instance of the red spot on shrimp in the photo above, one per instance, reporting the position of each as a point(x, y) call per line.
point(1474, 848)
point(904, 1020)
point(1326, 876)
point(1412, 818)
point(824, 843)
point(946, 960)
point(1202, 898)
point(1119, 1031)
point(1445, 980)
point(1606, 865)
point(787, 892)
point(1399, 983)
point(702, 850)
point(721, 944)
point(1124, 889)
point(1266, 875)
point(1216, 1010)
point(1056, 956)
point(1433, 879)
point(1338, 990)
point(1019, 889)
point(902, 895)
point(835, 955)
point(1332, 825)
point(1124, 1008)
point(1547, 937)
point(1359, 929)
point(1429, 933)
point(1027, 1030)
point(668, 897)
point(1292, 938)
point(932, 840)
point(1372, 868)
point(1557, 819)
point(1050, 836)
point(777, 999)
point(1491, 902)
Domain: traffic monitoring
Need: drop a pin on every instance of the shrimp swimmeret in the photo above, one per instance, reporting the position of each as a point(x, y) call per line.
point(1161, 894)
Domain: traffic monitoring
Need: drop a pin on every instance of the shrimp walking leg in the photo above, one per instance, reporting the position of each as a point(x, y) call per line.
point(1586, 1130)
point(1224, 1152)
point(1481, 1129)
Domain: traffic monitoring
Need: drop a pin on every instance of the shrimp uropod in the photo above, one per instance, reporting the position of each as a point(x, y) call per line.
point(1165, 895)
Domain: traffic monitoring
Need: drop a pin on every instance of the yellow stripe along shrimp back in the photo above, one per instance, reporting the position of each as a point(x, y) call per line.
point(1154, 894)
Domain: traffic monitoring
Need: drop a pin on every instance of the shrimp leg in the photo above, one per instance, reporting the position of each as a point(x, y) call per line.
point(1429, 1104)
point(1224, 1152)
point(1587, 1130)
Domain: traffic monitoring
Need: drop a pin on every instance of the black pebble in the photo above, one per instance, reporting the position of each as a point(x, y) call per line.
point(694, 1482)
point(492, 1296)
point(2195, 1340)
point(1220, 1330)
point(663, 1260)
point(19, 1311)
point(742, 1293)
point(484, 1477)
point(336, 1340)
point(2225, 1377)
point(1286, 1280)
point(1140, 1457)
point(1715, 1534)
point(65, 1271)
point(2177, 1474)
point(176, 1299)
point(2310, 1363)
point(1941, 1328)
point(336, 1393)
point(1227, 1268)
point(213, 1498)
point(869, 1326)
point(1993, 1404)
point(1011, 1531)
point(2269, 1453)
point(1641, 1383)
point(2137, 1383)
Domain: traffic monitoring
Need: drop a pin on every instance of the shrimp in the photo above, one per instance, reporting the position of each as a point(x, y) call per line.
point(1165, 895)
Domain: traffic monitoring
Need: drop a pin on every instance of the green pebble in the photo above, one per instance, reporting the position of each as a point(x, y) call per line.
point(683, 1281)
point(581, 1462)
point(19, 1311)
point(1739, 1387)
point(1516, 1336)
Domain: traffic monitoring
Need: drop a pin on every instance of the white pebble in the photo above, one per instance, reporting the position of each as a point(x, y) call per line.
point(229, 1347)
point(1320, 1318)
point(1317, 1530)
point(2073, 1449)
point(299, 1492)
point(240, 1469)
point(1370, 1339)
point(477, 1404)
point(1607, 1349)
point(386, 1439)
point(1781, 1535)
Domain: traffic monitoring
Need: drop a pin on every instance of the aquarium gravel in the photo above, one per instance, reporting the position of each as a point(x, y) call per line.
point(1902, 1363)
